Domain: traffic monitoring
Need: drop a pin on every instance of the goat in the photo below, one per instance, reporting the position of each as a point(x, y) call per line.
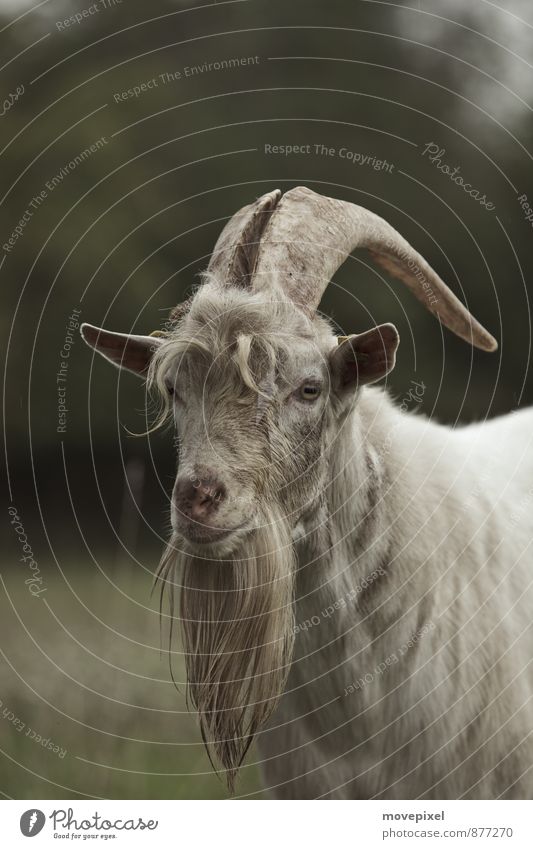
point(355, 580)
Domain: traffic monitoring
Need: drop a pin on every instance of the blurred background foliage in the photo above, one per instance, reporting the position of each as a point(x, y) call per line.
point(123, 238)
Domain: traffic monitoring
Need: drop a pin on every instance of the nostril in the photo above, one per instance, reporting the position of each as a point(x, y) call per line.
point(205, 497)
point(219, 492)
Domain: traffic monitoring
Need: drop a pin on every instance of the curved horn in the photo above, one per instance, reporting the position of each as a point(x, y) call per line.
point(234, 257)
point(309, 236)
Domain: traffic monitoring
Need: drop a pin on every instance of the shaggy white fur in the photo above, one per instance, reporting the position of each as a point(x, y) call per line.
point(359, 599)
point(420, 684)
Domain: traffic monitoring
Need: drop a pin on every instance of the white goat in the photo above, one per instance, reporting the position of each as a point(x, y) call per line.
point(355, 581)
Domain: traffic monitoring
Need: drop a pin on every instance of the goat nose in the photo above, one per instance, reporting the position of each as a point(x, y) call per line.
point(199, 498)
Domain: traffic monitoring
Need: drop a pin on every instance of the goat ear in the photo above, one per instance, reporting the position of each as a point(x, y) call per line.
point(122, 349)
point(364, 357)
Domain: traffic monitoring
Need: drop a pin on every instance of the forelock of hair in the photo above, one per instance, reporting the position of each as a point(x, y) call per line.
point(235, 327)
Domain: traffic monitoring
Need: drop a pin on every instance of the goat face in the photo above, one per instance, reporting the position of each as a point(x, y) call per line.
point(258, 391)
point(249, 385)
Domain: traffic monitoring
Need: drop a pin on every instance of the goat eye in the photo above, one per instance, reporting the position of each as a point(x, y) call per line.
point(171, 391)
point(309, 391)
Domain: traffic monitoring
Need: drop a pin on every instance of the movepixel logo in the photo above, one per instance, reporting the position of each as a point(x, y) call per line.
point(32, 822)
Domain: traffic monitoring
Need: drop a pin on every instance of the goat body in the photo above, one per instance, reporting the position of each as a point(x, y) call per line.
point(413, 648)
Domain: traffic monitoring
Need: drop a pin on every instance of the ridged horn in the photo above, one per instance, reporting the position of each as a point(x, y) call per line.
point(308, 236)
point(234, 257)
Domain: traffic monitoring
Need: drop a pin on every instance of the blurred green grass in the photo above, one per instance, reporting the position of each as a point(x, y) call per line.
point(84, 669)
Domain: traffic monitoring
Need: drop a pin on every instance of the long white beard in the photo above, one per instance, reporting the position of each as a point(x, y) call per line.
point(237, 628)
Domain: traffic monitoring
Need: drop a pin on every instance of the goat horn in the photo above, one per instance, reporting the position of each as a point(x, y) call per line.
point(308, 236)
point(234, 257)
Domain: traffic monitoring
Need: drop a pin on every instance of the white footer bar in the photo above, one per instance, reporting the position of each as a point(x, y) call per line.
point(267, 824)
